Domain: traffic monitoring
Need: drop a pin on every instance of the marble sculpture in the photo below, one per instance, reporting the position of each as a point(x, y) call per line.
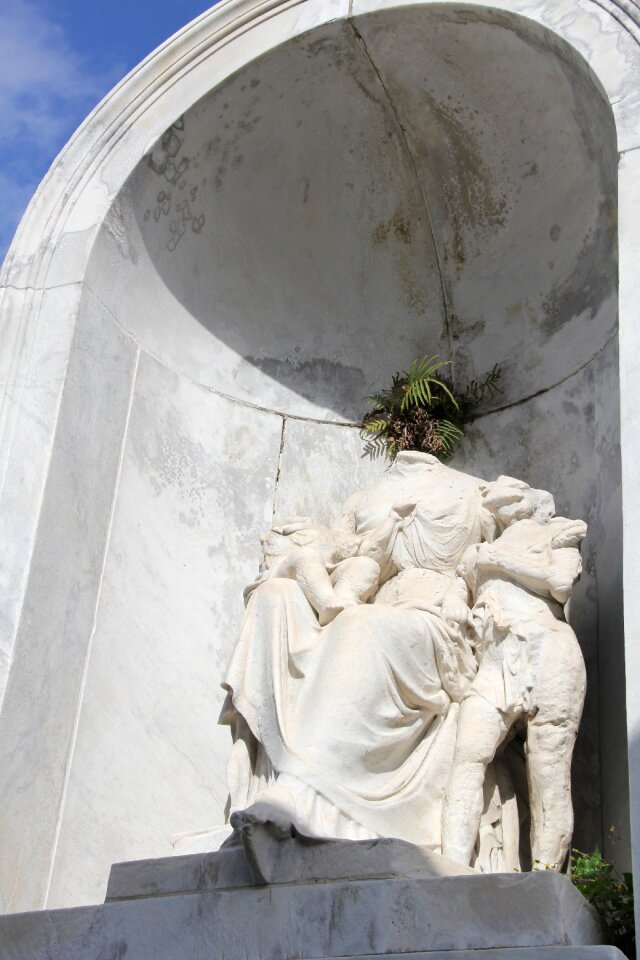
point(390, 669)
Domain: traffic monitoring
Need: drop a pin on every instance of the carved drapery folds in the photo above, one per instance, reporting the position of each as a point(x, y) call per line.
point(410, 672)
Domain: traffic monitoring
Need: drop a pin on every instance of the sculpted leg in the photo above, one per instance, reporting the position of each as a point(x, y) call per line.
point(550, 741)
point(355, 580)
point(481, 729)
point(307, 567)
point(549, 751)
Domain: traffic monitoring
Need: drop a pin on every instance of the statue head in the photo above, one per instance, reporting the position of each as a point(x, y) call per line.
point(510, 500)
point(304, 532)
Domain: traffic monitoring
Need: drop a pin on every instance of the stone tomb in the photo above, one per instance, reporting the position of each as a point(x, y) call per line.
point(192, 311)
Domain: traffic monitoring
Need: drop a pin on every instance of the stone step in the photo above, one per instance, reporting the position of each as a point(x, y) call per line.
point(507, 916)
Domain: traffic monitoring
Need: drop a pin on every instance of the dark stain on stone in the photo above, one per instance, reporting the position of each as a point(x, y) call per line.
point(468, 329)
point(398, 226)
point(380, 233)
point(531, 171)
point(114, 951)
point(593, 278)
point(323, 45)
point(474, 203)
point(554, 233)
point(325, 382)
point(402, 230)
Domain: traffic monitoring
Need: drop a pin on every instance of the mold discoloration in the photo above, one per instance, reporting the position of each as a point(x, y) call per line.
point(591, 282)
point(398, 227)
point(476, 203)
point(178, 462)
point(114, 951)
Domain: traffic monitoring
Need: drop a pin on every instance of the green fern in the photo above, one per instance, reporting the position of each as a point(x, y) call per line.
point(377, 400)
point(376, 426)
point(477, 391)
point(421, 410)
point(420, 380)
point(449, 433)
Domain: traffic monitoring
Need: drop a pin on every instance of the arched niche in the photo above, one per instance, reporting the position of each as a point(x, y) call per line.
point(338, 195)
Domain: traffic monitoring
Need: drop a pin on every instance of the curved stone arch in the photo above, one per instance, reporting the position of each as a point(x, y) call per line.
point(44, 272)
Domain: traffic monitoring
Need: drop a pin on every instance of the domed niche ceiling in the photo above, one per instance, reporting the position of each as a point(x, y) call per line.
point(423, 179)
point(430, 178)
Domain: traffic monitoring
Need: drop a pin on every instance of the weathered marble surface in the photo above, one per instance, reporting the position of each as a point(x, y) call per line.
point(332, 919)
point(256, 855)
point(320, 466)
point(465, 222)
point(630, 427)
point(196, 487)
point(46, 683)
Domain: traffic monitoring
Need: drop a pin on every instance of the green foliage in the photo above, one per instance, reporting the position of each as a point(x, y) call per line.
point(420, 386)
point(421, 410)
point(610, 893)
point(487, 387)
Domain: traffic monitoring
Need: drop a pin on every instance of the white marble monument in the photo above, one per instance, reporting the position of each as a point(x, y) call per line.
point(279, 208)
point(380, 665)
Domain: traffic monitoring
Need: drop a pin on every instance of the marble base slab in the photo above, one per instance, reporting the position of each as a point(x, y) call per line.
point(256, 856)
point(514, 953)
point(270, 895)
point(510, 915)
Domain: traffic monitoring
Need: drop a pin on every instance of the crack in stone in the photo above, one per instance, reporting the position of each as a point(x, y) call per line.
point(425, 202)
point(278, 470)
point(552, 386)
point(43, 289)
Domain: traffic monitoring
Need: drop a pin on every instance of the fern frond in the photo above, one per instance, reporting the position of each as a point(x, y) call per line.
point(376, 426)
point(477, 390)
point(449, 393)
point(449, 433)
point(375, 447)
point(420, 380)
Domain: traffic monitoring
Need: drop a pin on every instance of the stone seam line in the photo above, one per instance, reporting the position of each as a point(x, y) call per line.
point(9, 426)
point(87, 656)
point(341, 423)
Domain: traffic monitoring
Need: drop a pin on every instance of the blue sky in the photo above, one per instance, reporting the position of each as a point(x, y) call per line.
point(58, 58)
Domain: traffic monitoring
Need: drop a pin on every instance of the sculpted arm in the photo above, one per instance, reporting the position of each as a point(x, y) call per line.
point(546, 571)
point(346, 522)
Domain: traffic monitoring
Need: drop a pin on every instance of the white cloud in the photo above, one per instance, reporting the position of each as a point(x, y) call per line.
point(46, 89)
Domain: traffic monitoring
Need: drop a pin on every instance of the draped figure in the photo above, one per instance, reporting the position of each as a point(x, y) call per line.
point(347, 730)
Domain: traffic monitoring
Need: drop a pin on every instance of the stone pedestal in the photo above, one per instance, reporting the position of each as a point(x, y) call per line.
point(376, 898)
